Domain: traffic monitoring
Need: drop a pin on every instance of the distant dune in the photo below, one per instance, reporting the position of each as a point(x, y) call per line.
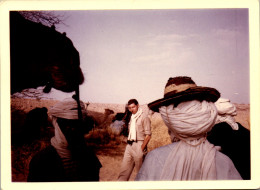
point(243, 110)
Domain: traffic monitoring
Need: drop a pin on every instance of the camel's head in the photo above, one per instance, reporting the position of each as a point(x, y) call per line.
point(42, 56)
point(64, 72)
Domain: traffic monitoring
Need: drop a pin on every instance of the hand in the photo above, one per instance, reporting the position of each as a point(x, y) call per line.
point(145, 151)
point(144, 148)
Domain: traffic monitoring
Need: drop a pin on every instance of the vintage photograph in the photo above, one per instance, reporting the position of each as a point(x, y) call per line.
point(130, 95)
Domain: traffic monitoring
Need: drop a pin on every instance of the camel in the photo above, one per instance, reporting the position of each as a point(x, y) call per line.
point(41, 56)
point(96, 119)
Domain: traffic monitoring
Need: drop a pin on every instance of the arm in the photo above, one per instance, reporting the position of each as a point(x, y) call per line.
point(146, 141)
point(147, 132)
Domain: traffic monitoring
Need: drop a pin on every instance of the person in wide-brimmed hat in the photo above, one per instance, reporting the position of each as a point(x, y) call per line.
point(189, 113)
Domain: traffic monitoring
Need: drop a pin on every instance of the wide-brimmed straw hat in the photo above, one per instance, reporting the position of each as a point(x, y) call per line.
point(182, 88)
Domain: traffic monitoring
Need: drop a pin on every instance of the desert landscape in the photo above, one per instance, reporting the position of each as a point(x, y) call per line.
point(108, 146)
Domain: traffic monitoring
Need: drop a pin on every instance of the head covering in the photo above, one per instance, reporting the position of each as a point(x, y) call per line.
point(66, 109)
point(226, 112)
point(182, 88)
point(193, 158)
point(190, 120)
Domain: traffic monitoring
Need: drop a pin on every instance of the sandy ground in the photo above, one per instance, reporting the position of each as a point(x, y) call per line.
point(111, 156)
point(111, 159)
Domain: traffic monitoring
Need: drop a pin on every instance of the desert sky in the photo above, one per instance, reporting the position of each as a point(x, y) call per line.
point(128, 54)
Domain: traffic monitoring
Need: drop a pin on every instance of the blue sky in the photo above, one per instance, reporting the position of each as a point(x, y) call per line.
point(128, 54)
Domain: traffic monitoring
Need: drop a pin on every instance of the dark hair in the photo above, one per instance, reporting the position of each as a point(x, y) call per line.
point(133, 101)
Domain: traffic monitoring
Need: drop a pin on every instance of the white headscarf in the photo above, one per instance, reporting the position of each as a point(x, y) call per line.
point(66, 109)
point(193, 158)
point(226, 112)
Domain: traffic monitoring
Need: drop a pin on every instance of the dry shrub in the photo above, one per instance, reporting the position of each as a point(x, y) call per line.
point(97, 136)
point(28, 104)
point(104, 136)
point(243, 115)
point(160, 136)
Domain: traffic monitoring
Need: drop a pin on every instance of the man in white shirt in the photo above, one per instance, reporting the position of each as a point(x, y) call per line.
point(138, 138)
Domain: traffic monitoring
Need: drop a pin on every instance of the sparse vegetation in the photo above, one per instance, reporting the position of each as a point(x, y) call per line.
point(109, 147)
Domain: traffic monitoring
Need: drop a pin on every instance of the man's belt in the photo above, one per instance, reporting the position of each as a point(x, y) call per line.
point(130, 142)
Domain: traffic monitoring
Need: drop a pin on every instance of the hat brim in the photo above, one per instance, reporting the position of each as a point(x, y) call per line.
point(194, 93)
